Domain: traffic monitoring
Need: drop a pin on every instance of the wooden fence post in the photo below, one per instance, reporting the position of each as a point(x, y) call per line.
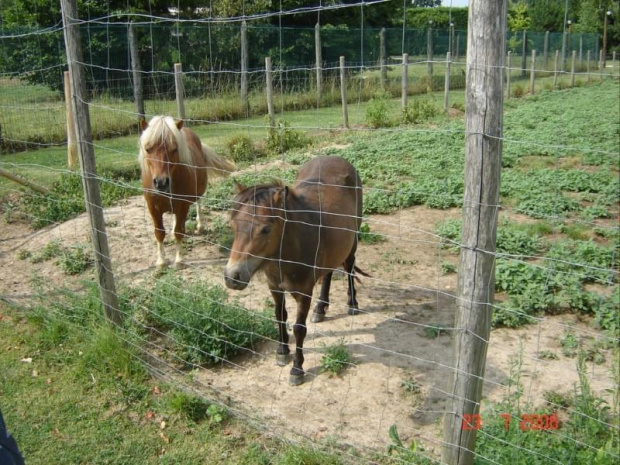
point(572, 68)
point(244, 63)
point(269, 81)
point(90, 183)
point(446, 94)
point(546, 50)
point(564, 47)
point(429, 56)
point(405, 81)
point(343, 92)
point(613, 62)
point(138, 94)
point(523, 54)
point(588, 66)
point(71, 138)
point(508, 66)
point(581, 50)
point(601, 63)
point(556, 69)
point(458, 44)
point(180, 89)
point(319, 61)
point(383, 58)
point(476, 283)
point(532, 72)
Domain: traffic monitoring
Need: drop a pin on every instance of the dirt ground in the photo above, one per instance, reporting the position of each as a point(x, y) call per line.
point(400, 376)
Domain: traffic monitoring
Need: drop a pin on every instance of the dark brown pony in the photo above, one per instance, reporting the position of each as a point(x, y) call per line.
point(298, 235)
point(174, 167)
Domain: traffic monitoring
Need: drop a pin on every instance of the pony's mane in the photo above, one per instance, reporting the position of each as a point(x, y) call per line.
point(162, 130)
point(255, 195)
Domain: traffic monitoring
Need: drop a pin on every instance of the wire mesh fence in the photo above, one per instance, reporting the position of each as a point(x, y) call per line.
point(550, 387)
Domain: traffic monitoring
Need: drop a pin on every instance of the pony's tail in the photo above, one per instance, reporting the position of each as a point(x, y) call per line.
point(360, 271)
point(216, 165)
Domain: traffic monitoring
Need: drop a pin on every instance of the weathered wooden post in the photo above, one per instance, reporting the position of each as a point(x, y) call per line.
point(343, 92)
point(458, 44)
point(92, 196)
point(429, 54)
point(532, 72)
point(72, 155)
point(588, 66)
point(244, 63)
point(508, 69)
point(564, 48)
point(476, 280)
point(180, 89)
point(572, 68)
point(405, 81)
point(581, 50)
point(319, 61)
point(601, 63)
point(269, 82)
point(446, 94)
point(523, 54)
point(556, 69)
point(383, 58)
point(546, 50)
point(138, 94)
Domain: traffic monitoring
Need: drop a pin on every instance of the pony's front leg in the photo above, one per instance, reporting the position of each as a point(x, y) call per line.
point(180, 215)
point(160, 235)
point(283, 354)
point(300, 329)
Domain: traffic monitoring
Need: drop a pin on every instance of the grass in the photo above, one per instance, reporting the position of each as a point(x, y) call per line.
point(86, 398)
point(336, 358)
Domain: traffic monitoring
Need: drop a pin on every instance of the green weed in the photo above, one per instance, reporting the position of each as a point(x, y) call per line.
point(433, 331)
point(75, 260)
point(282, 138)
point(199, 321)
point(336, 358)
point(420, 111)
point(368, 237)
point(447, 268)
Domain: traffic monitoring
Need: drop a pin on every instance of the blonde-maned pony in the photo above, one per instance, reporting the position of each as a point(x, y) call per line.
point(175, 167)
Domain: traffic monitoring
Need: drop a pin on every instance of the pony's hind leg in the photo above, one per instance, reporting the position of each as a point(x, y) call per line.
point(199, 224)
point(319, 311)
point(349, 267)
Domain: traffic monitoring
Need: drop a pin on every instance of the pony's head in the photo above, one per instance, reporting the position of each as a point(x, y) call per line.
point(258, 221)
point(162, 150)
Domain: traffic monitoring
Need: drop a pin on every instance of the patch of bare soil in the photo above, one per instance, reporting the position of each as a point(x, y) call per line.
point(400, 375)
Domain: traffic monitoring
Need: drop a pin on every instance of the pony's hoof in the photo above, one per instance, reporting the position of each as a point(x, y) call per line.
point(318, 317)
point(199, 231)
point(283, 359)
point(296, 380)
point(179, 265)
point(161, 266)
point(353, 311)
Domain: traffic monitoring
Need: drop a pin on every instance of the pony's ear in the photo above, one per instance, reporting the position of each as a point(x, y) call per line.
point(143, 124)
point(279, 197)
point(179, 124)
point(239, 188)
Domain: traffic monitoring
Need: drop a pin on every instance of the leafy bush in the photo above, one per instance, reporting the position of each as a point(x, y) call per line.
point(282, 138)
point(420, 111)
point(518, 91)
point(241, 148)
point(377, 111)
point(200, 322)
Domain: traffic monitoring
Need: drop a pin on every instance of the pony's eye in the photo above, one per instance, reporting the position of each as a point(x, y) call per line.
point(265, 230)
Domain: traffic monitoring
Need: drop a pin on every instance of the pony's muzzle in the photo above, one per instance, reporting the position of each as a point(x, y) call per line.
point(235, 280)
point(162, 184)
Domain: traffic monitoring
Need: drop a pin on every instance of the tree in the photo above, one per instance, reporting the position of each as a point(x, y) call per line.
point(426, 3)
point(546, 15)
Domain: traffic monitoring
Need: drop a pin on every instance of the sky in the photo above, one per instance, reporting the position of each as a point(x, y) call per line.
point(455, 2)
